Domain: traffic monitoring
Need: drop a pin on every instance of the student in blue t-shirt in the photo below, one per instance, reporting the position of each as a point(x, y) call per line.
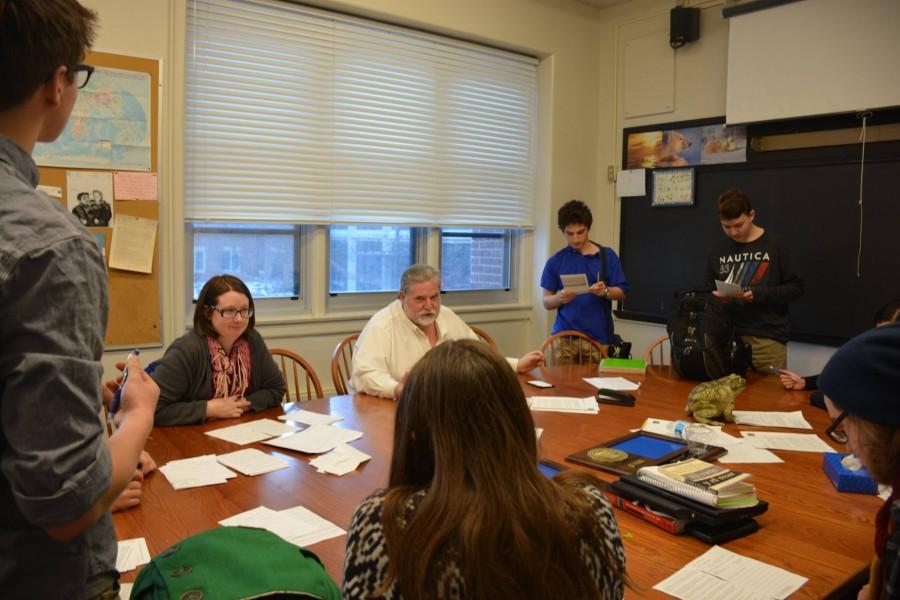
point(589, 312)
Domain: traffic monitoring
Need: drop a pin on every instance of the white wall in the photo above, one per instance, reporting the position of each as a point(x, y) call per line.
point(561, 32)
point(582, 117)
point(698, 91)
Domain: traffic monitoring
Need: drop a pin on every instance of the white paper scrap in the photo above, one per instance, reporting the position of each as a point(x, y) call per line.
point(767, 418)
point(252, 431)
point(612, 383)
point(309, 417)
point(251, 461)
point(340, 461)
point(563, 404)
point(720, 573)
point(297, 525)
point(744, 452)
point(315, 439)
point(132, 553)
point(196, 472)
point(802, 442)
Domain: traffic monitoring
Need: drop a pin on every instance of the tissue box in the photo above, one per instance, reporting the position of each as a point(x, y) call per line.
point(858, 482)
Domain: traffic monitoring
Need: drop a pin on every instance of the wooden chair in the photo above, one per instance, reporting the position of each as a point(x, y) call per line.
point(659, 352)
point(342, 364)
point(487, 339)
point(572, 347)
point(297, 371)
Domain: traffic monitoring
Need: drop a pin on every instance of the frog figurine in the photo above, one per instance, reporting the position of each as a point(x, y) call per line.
point(714, 400)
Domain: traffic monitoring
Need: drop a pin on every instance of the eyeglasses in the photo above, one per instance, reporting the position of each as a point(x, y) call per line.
point(232, 313)
point(836, 431)
point(82, 74)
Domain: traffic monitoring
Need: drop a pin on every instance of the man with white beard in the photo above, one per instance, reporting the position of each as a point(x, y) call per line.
point(397, 336)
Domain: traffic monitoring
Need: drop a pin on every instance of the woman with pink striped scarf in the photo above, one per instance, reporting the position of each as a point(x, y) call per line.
point(222, 368)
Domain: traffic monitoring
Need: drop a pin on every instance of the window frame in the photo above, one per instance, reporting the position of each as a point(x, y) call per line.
point(286, 306)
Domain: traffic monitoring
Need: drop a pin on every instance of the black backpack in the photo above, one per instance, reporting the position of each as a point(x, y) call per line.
point(704, 343)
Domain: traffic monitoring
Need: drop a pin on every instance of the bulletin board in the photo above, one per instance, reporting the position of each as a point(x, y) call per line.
point(134, 302)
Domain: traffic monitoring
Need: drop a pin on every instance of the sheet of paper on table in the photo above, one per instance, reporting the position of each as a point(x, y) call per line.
point(767, 418)
point(563, 404)
point(315, 439)
point(720, 573)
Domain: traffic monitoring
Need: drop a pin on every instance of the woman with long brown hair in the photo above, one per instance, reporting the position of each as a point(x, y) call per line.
point(467, 513)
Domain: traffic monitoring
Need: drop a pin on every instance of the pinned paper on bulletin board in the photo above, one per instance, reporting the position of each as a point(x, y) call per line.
point(135, 185)
point(631, 182)
point(132, 245)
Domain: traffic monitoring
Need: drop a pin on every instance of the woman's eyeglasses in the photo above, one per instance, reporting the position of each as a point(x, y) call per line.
point(232, 313)
point(836, 430)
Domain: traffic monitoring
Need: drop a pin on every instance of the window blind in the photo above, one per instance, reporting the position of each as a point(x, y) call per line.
point(294, 114)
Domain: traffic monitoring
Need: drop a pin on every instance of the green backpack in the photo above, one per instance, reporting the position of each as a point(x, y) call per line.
point(235, 562)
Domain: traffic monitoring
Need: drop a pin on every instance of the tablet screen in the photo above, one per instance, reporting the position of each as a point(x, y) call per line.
point(649, 447)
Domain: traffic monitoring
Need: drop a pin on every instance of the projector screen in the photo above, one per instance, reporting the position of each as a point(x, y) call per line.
point(813, 57)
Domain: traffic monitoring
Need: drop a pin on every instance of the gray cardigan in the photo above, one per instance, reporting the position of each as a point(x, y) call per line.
point(184, 377)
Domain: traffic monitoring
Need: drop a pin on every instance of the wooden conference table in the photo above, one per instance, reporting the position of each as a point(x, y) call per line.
point(810, 529)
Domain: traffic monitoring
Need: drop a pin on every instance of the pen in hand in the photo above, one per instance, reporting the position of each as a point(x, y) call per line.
point(117, 398)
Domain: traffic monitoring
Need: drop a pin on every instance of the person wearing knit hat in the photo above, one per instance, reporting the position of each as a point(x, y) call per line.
point(861, 383)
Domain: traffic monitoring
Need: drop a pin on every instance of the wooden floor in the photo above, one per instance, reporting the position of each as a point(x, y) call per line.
point(810, 529)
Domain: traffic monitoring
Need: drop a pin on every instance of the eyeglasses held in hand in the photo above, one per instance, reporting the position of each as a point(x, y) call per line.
point(232, 313)
point(836, 430)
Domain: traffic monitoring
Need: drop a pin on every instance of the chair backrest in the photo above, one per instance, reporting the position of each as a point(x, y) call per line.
point(659, 352)
point(572, 348)
point(484, 336)
point(342, 364)
point(299, 376)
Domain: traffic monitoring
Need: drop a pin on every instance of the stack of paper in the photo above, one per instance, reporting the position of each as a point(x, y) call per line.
point(296, 525)
point(254, 431)
point(195, 472)
point(252, 462)
point(132, 553)
point(340, 461)
point(315, 439)
point(564, 404)
point(612, 383)
point(310, 418)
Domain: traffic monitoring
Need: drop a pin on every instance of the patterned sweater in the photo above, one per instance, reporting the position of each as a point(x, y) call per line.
point(366, 560)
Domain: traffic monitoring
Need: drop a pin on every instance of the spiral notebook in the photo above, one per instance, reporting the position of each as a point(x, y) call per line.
point(654, 477)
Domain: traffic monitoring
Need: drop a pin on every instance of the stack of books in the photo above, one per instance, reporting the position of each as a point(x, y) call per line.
point(634, 366)
point(703, 482)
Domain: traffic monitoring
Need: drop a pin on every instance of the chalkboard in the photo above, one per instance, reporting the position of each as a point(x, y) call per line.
point(810, 198)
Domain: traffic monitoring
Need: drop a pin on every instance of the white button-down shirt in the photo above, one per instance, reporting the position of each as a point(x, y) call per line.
point(390, 344)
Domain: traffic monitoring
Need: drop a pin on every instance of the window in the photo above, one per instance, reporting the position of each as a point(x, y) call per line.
point(374, 137)
point(475, 259)
point(368, 258)
point(265, 257)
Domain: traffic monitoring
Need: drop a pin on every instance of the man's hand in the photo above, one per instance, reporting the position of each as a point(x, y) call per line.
point(599, 289)
point(532, 360)
point(746, 296)
point(398, 389)
point(146, 465)
point(791, 381)
point(230, 407)
point(131, 495)
point(566, 295)
point(140, 392)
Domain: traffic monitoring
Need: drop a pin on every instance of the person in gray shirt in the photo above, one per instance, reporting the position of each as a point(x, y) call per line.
point(59, 473)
